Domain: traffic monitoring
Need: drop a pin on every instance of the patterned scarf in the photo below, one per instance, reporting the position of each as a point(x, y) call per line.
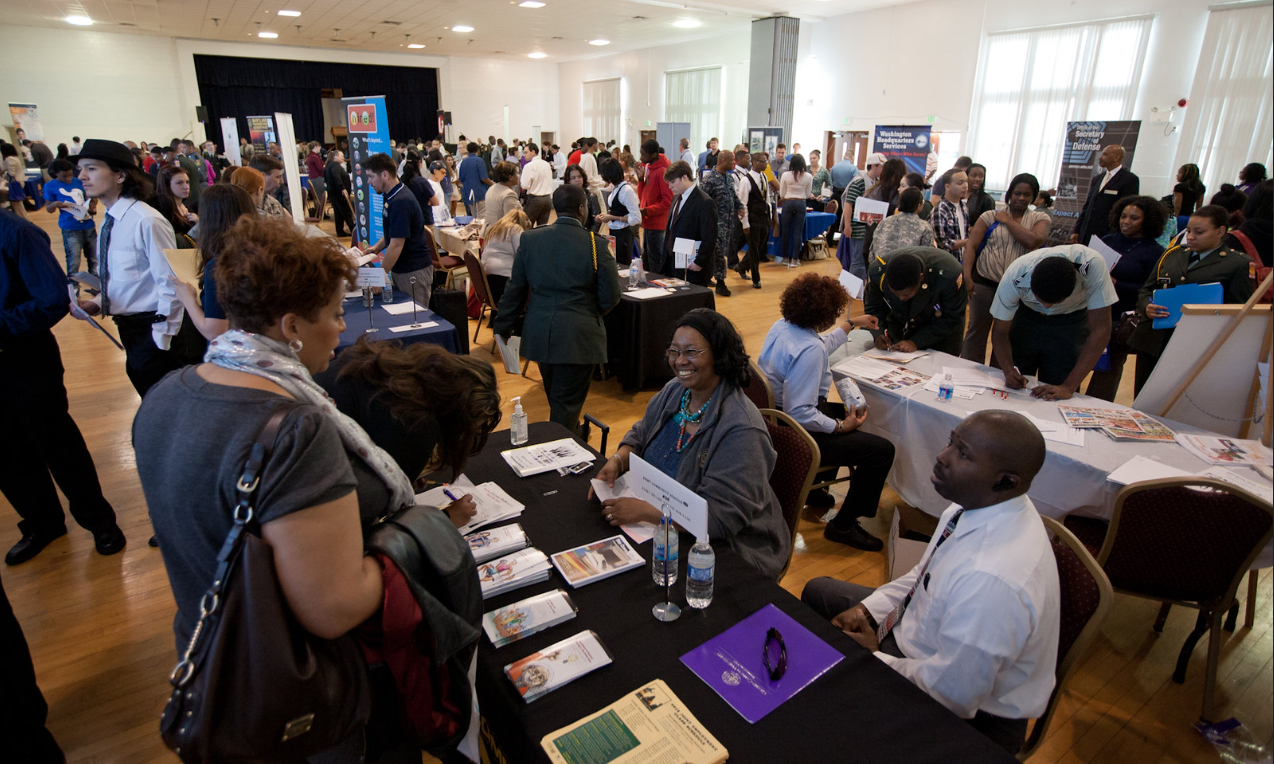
point(256, 354)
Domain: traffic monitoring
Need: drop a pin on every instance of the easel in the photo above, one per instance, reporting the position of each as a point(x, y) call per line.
point(1239, 314)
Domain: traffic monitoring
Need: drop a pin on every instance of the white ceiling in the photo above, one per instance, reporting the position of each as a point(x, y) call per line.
point(561, 29)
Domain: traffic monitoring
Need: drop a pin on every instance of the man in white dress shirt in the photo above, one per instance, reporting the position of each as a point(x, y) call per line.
point(137, 280)
point(588, 161)
point(537, 179)
point(975, 624)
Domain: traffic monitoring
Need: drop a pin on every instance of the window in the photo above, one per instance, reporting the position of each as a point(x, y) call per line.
point(1228, 120)
point(1032, 82)
point(602, 110)
point(694, 96)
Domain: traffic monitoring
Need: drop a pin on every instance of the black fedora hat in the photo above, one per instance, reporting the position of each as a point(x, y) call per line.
point(107, 151)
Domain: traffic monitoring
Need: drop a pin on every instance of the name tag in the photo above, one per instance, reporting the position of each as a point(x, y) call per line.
point(1111, 191)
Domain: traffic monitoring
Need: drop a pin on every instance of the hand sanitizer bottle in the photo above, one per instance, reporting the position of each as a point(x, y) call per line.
point(517, 424)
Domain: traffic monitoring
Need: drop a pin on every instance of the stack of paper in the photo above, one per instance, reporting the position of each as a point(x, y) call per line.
point(529, 616)
point(593, 562)
point(639, 532)
point(546, 457)
point(556, 665)
point(965, 376)
point(494, 504)
point(1118, 423)
point(1226, 451)
point(1056, 431)
point(495, 542)
point(513, 571)
point(649, 293)
point(1246, 480)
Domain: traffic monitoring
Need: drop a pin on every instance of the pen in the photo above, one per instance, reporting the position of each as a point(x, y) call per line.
point(450, 495)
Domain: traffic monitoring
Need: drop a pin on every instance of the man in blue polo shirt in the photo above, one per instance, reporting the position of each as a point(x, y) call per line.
point(65, 195)
point(474, 182)
point(404, 246)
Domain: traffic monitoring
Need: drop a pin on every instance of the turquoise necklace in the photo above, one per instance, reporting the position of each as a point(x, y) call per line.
point(684, 416)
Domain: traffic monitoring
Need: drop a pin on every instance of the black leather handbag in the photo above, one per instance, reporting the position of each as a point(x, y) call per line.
point(254, 685)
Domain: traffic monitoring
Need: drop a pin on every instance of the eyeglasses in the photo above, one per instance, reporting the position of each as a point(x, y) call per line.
point(774, 654)
point(690, 353)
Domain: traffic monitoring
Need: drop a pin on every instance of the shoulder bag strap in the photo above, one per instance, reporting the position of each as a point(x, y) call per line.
point(1248, 246)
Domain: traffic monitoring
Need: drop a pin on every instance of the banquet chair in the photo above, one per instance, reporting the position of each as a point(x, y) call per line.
point(798, 459)
point(482, 288)
point(1184, 541)
point(448, 264)
point(1085, 598)
point(758, 390)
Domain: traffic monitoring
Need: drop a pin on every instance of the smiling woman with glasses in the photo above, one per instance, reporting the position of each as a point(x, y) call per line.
point(704, 432)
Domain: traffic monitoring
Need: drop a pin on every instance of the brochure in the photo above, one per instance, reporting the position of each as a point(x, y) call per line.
point(78, 312)
point(512, 571)
point(1226, 451)
point(593, 562)
point(529, 616)
point(543, 672)
point(546, 457)
point(510, 353)
point(732, 662)
point(495, 542)
point(638, 532)
point(649, 725)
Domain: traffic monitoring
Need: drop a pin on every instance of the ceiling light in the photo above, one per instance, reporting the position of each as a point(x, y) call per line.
point(687, 23)
point(414, 45)
point(268, 35)
point(79, 21)
point(289, 13)
point(531, 4)
point(599, 41)
point(462, 28)
point(537, 54)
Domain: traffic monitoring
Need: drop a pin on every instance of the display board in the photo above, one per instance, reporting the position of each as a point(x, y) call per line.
point(908, 143)
point(1084, 144)
point(261, 133)
point(368, 134)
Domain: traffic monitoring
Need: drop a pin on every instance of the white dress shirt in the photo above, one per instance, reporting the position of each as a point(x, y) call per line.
point(981, 631)
point(559, 164)
point(742, 189)
point(137, 269)
point(689, 158)
point(537, 177)
point(589, 164)
point(627, 197)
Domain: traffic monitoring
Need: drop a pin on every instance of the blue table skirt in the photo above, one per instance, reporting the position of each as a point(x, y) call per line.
point(356, 324)
point(816, 224)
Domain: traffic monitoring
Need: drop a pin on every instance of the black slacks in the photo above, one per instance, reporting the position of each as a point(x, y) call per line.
point(566, 386)
point(623, 245)
point(342, 213)
point(23, 709)
point(146, 363)
point(1047, 346)
point(40, 443)
point(868, 456)
point(758, 240)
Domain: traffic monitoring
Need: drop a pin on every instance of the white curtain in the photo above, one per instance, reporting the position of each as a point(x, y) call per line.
point(1032, 82)
point(694, 96)
point(1228, 120)
point(602, 111)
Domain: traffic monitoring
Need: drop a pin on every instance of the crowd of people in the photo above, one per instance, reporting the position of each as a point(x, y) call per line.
point(253, 342)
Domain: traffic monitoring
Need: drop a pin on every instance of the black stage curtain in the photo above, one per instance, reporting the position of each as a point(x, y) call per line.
point(230, 86)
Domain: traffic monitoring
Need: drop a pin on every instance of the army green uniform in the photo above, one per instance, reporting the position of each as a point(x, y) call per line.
point(934, 318)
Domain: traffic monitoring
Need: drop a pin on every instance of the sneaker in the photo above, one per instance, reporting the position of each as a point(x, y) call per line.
point(109, 541)
point(722, 289)
point(820, 498)
point(854, 536)
point(30, 545)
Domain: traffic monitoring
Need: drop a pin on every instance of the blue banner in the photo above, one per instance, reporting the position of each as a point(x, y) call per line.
point(368, 134)
point(910, 144)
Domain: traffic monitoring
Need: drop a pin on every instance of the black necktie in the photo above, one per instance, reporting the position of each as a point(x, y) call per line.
point(104, 246)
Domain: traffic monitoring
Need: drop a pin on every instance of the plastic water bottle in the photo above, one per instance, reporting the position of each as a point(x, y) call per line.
point(946, 388)
point(664, 557)
point(517, 424)
point(634, 273)
point(387, 291)
point(701, 571)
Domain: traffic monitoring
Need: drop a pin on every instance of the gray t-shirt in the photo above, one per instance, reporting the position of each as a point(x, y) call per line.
point(192, 438)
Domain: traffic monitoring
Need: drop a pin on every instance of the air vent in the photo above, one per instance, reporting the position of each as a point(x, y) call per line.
point(392, 23)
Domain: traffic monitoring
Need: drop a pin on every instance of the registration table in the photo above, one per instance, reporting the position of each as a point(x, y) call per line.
point(638, 332)
point(357, 322)
point(860, 710)
point(816, 224)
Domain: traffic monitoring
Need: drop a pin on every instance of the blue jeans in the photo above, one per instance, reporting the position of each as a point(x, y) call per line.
point(857, 265)
point(791, 228)
point(75, 243)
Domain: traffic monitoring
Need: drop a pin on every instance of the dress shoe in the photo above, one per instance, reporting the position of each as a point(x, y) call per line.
point(854, 536)
point(30, 545)
point(109, 541)
point(820, 498)
point(153, 541)
point(722, 289)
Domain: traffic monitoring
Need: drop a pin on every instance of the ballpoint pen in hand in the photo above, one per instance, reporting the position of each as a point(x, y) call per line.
point(449, 494)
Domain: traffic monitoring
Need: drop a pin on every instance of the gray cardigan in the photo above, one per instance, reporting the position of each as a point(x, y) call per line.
point(728, 462)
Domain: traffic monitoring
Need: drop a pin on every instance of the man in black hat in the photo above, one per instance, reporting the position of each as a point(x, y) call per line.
point(137, 280)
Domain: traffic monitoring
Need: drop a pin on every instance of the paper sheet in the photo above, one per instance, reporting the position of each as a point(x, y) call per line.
point(864, 368)
point(1109, 255)
point(638, 532)
point(672, 498)
point(852, 284)
point(371, 277)
point(1141, 468)
point(684, 251)
point(1246, 479)
point(648, 293)
point(412, 327)
point(78, 312)
point(402, 308)
point(870, 210)
point(897, 356)
point(509, 353)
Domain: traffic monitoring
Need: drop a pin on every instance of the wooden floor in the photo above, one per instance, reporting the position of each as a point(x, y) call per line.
point(101, 636)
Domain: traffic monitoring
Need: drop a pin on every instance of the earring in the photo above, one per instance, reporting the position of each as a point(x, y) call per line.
point(296, 345)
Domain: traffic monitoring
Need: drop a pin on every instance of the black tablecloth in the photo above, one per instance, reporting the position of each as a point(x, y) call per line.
point(860, 710)
point(357, 322)
point(638, 333)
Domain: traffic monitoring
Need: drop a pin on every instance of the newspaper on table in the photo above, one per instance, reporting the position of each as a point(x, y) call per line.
point(1226, 451)
point(494, 542)
point(529, 616)
point(558, 664)
point(546, 457)
point(640, 532)
point(512, 571)
point(1246, 479)
point(649, 725)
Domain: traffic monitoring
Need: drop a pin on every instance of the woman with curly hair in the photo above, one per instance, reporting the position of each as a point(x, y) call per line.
point(794, 360)
point(704, 432)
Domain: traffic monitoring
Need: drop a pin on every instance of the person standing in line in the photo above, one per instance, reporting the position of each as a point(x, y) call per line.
point(950, 218)
point(1189, 193)
point(623, 210)
point(794, 193)
point(79, 235)
point(537, 180)
point(739, 177)
point(780, 163)
point(473, 177)
point(1106, 189)
point(939, 189)
point(565, 276)
point(822, 182)
point(978, 200)
point(137, 280)
point(842, 173)
point(718, 184)
point(39, 441)
point(314, 173)
point(708, 158)
point(403, 247)
point(338, 187)
point(854, 256)
point(271, 170)
point(656, 200)
point(756, 222)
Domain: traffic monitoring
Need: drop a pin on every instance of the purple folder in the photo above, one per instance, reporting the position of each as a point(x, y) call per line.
point(731, 662)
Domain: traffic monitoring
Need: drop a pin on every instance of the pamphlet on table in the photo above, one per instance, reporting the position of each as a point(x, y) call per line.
point(649, 725)
point(529, 616)
point(1058, 432)
point(546, 457)
point(639, 532)
point(649, 293)
point(1226, 451)
point(404, 308)
point(732, 663)
point(494, 542)
point(513, 571)
point(493, 502)
point(668, 282)
point(412, 327)
point(601, 559)
point(556, 665)
point(1140, 468)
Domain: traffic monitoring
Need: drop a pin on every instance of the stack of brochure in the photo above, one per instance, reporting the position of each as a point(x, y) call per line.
point(543, 672)
point(1226, 451)
point(494, 504)
point(513, 571)
point(593, 562)
point(529, 616)
point(546, 457)
point(495, 542)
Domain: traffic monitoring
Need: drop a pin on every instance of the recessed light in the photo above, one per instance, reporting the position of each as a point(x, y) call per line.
point(687, 23)
point(599, 41)
point(531, 4)
point(79, 21)
point(462, 28)
point(289, 13)
point(414, 45)
point(268, 35)
point(537, 54)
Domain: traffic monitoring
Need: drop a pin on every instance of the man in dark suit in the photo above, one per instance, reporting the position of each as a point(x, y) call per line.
point(693, 217)
point(1107, 188)
point(572, 281)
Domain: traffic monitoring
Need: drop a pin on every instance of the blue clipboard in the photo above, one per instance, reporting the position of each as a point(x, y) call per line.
point(1186, 294)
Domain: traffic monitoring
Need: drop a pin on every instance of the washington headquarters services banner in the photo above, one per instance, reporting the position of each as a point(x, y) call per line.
point(908, 143)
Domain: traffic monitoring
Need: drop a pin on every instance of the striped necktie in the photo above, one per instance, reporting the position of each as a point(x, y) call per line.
point(892, 619)
point(104, 246)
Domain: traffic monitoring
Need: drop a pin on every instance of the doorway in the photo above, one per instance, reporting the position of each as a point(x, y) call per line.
point(548, 136)
point(835, 145)
point(647, 135)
